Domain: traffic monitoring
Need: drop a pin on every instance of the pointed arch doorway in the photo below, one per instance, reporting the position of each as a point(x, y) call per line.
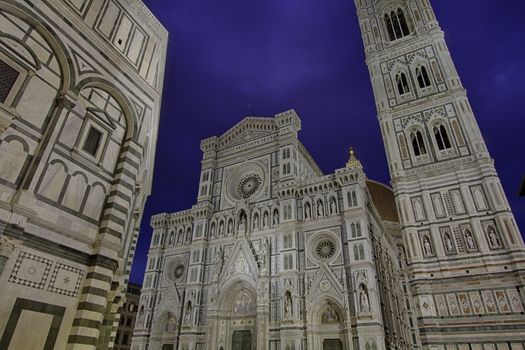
point(327, 326)
point(239, 311)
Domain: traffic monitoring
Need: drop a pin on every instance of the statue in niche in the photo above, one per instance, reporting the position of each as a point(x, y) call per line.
point(187, 317)
point(242, 224)
point(212, 231)
point(275, 218)
point(141, 314)
point(470, 240)
point(307, 211)
point(288, 309)
point(427, 247)
point(256, 222)
point(264, 254)
point(493, 237)
point(265, 219)
point(333, 208)
point(364, 301)
point(221, 229)
point(448, 242)
point(329, 315)
point(170, 324)
point(219, 262)
point(319, 208)
point(230, 226)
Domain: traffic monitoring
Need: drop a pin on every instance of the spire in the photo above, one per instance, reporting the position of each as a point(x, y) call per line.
point(353, 161)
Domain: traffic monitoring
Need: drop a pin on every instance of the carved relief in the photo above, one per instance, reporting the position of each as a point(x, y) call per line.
point(8, 245)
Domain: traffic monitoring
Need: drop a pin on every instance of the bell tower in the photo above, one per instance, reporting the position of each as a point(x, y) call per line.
point(463, 248)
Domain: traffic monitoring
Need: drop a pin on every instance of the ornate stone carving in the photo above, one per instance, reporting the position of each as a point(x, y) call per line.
point(8, 245)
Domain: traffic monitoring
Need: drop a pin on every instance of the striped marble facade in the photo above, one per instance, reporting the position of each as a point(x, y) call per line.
point(81, 85)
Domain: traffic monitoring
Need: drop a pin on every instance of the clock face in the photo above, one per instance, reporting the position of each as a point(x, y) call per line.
point(324, 285)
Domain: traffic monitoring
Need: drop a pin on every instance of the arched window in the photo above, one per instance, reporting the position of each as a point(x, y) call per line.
point(389, 27)
point(353, 229)
point(396, 25)
point(417, 143)
point(402, 84)
point(354, 199)
point(359, 252)
point(442, 139)
point(423, 79)
point(402, 22)
point(358, 229)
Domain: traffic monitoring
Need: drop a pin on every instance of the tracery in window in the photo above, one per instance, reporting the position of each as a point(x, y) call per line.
point(417, 143)
point(359, 252)
point(442, 139)
point(288, 262)
point(8, 78)
point(396, 25)
point(422, 76)
point(402, 84)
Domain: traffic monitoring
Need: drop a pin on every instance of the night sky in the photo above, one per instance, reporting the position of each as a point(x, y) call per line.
point(234, 58)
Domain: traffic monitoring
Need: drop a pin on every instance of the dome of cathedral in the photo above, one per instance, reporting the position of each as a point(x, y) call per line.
point(383, 199)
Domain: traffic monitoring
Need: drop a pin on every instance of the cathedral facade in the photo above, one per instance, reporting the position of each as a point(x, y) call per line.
point(80, 92)
point(276, 255)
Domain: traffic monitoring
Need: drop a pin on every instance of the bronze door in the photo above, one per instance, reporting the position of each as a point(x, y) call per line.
point(242, 340)
point(332, 344)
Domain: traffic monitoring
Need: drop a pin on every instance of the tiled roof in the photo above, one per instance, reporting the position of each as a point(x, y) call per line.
point(384, 200)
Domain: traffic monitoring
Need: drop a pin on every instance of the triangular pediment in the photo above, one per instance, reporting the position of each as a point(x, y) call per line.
point(248, 130)
point(325, 282)
point(240, 262)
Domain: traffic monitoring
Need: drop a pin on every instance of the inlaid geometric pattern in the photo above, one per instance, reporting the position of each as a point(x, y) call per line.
point(30, 270)
point(66, 280)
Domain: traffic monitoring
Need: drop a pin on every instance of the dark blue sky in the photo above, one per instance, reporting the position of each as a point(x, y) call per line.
point(233, 58)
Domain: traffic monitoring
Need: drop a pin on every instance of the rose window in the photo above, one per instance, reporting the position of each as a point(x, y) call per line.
point(249, 185)
point(178, 271)
point(325, 249)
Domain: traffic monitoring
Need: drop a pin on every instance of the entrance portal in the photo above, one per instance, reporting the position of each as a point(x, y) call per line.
point(242, 340)
point(332, 344)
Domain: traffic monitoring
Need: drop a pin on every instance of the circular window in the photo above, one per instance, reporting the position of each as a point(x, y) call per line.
point(176, 271)
point(325, 249)
point(249, 185)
